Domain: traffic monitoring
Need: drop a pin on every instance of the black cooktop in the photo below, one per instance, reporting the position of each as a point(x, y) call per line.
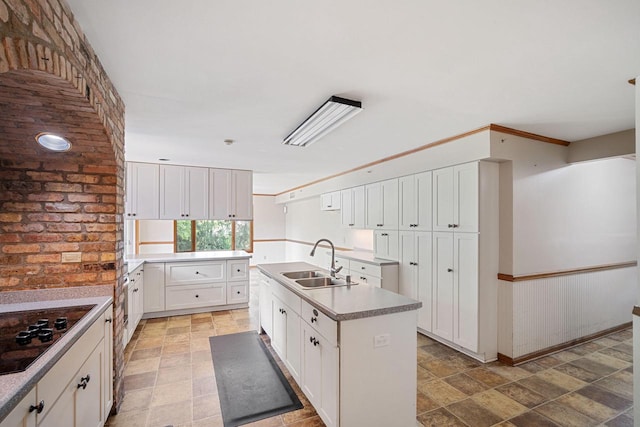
point(26, 335)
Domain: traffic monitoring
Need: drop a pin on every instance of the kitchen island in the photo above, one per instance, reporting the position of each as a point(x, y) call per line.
point(352, 349)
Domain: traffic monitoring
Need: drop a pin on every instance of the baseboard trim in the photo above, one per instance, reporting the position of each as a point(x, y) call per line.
point(556, 348)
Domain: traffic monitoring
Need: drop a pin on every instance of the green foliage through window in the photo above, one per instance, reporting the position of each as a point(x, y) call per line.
point(213, 235)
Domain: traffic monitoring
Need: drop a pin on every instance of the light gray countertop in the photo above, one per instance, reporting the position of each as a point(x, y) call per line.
point(365, 256)
point(134, 261)
point(14, 387)
point(342, 302)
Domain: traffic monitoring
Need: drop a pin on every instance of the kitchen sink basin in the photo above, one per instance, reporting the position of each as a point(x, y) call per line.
point(302, 274)
point(320, 282)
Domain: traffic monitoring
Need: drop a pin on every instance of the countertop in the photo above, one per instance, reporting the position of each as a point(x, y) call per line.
point(365, 256)
point(14, 387)
point(342, 302)
point(134, 261)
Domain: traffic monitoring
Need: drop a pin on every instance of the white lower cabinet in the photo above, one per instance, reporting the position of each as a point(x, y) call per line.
point(266, 306)
point(74, 392)
point(286, 336)
point(153, 295)
point(193, 296)
point(415, 273)
point(373, 273)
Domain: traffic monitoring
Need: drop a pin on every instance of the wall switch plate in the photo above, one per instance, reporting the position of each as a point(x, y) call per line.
point(71, 256)
point(382, 340)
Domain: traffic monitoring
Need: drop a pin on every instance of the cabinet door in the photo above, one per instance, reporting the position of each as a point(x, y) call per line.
point(408, 215)
point(142, 198)
point(385, 244)
point(220, 181)
point(21, 416)
point(279, 337)
point(358, 206)
point(237, 292)
point(443, 295)
point(424, 258)
point(88, 396)
point(138, 298)
point(196, 193)
point(407, 272)
point(293, 343)
point(237, 270)
point(107, 364)
point(172, 185)
point(330, 201)
point(153, 295)
point(443, 218)
point(423, 201)
point(465, 195)
point(373, 201)
point(346, 208)
point(389, 204)
point(265, 305)
point(465, 276)
point(242, 193)
point(320, 374)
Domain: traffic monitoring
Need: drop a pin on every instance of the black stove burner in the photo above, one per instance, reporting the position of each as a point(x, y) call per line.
point(25, 335)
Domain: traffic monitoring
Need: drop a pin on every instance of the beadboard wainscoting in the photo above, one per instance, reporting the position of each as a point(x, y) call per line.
point(539, 315)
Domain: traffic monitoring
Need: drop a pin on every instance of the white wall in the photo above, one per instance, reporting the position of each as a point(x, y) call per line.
point(268, 226)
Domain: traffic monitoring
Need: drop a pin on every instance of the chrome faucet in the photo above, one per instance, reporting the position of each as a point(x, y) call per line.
point(333, 269)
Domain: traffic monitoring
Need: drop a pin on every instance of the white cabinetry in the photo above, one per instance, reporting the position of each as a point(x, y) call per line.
point(135, 301)
point(320, 363)
point(381, 276)
point(286, 328)
point(266, 305)
point(352, 207)
point(195, 284)
point(237, 281)
point(142, 197)
point(330, 201)
point(77, 391)
point(415, 272)
point(455, 198)
point(415, 202)
point(382, 205)
point(231, 194)
point(153, 295)
point(184, 192)
point(385, 244)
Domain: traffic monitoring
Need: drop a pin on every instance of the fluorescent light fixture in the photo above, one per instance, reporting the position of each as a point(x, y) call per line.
point(330, 115)
point(53, 142)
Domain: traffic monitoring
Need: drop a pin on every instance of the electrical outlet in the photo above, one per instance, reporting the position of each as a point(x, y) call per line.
point(382, 340)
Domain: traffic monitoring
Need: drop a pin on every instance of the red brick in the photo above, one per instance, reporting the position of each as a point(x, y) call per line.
point(109, 199)
point(21, 249)
point(98, 247)
point(11, 259)
point(60, 166)
point(23, 228)
point(60, 247)
point(23, 186)
point(108, 275)
point(41, 281)
point(63, 187)
point(109, 179)
point(45, 176)
point(109, 237)
point(13, 164)
point(84, 198)
point(21, 207)
point(9, 282)
point(10, 217)
point(106, 218)
point(90, 257)
point(80, 277)
point(41, 237)
point(62, 207)
point(44, 258)
point(80, 218)
point(62, 268)
point(11, 196)
point(99, 208)
point(86, 179)
point(20, 270)
point(100, 228)
point(64, 228)
point(99, 169)
point(45, 217)
point(99, 189)
point(107, 256)
point(10, 238)
point(46, 197)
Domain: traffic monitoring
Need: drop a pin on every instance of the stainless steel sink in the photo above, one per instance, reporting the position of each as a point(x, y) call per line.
point(320, 282)
point(302, 274)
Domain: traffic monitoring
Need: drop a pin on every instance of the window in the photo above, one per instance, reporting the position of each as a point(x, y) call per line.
point(213, 235)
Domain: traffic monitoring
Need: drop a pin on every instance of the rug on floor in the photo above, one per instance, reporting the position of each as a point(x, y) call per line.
point(251, 386)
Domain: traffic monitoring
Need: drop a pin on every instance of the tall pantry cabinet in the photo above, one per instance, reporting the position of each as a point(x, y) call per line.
point(465, 257)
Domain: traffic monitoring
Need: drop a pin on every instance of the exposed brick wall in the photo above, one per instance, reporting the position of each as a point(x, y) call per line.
point(51, 80)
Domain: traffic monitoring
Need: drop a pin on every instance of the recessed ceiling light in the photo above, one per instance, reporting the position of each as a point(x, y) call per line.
point(53, 142)
point(163, 160)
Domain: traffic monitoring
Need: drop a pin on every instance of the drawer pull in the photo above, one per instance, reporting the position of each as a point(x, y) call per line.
point(38, 408)
point(362, 268)
point(238, 292)
point(197, 296)
point(108, 320)
point(197, 272)
point(449, 270)
point(314, 341)
point(84, 381)
point(314, 319)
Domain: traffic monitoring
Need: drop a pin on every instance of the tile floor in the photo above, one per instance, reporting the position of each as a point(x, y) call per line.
point(169, 381)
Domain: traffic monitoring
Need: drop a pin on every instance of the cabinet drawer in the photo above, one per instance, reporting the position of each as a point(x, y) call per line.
point(286, 296)
point(179, 273)
point(358, 267)
point(237, 292)
point(238, 270)
point(52, 384)
point(365, 278)
point(320, 322)
point(189, 296)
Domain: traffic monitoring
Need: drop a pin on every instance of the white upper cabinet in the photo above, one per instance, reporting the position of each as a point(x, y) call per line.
point(184, 192)
point(231, 194)
point(382, 205)
point(142, 198)
point(330, 201)
point(415, 202)
point(352, 207)
point(455, 198)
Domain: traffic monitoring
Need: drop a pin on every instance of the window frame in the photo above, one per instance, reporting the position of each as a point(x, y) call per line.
point(193, 235)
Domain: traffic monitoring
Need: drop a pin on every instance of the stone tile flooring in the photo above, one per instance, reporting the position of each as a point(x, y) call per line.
point(169, 381)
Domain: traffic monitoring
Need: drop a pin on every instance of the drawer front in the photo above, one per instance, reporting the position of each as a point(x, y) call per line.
point(327, 327)
point(187, 296)
point(179, 273)
point(237, 292)
point(286, 296)
point(237, 270)
point(52, 384)
point(365, 278)
point(358, 267)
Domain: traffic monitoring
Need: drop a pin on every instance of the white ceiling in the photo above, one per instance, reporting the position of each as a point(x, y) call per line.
point(194, 73)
